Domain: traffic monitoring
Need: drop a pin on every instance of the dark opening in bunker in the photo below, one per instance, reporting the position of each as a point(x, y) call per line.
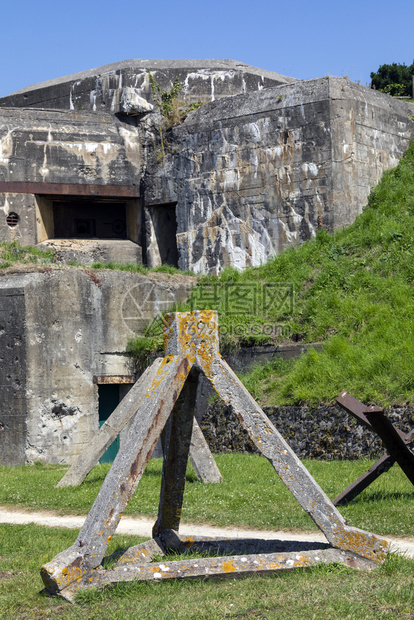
point(89, 219)
point(164, 228)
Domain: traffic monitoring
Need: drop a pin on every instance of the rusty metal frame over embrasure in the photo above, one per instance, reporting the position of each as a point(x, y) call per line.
point(166, 408)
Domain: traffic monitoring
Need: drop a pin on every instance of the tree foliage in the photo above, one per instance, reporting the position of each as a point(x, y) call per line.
point(395, 79)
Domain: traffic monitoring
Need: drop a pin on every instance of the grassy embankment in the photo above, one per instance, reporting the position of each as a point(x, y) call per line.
point(353, 292)
point(14, 254)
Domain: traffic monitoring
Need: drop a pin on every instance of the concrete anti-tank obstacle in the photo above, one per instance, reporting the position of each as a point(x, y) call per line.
point(167, 409)
point(201, 458)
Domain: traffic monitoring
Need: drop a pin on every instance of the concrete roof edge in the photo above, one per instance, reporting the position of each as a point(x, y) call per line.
point(161, 64)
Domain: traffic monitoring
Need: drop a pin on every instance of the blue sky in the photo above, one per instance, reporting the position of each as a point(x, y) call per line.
point(44, 40)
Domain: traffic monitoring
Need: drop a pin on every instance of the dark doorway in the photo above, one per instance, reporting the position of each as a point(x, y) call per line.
point(108, 402)
point(164, 224)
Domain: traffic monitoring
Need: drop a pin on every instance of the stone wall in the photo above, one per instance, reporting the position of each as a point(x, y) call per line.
point(59, 331)
point(324, 432)
point(370, 132)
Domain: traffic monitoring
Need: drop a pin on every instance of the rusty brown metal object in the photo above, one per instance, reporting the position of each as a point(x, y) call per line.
point(397, 443)
point(191, 346)
point(70, 189)
point(379, 467)
point(393, 441)
point(354, 406)
point(113, 379)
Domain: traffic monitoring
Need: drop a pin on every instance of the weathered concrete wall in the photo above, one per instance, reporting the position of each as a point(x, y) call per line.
point(13, 365)
point(255, 173)
point(324, 432)
point(44, 146)
point(49, 146)
point(112, 88)
point(67, 327)
point(370, 132)
point(251, 176)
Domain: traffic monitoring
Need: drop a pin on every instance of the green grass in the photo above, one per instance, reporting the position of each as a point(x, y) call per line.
point(251, 496)
point(13, 253)
point(323, 592)
point(139, 268)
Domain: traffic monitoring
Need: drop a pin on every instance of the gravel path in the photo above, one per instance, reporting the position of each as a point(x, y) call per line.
point(141, 526)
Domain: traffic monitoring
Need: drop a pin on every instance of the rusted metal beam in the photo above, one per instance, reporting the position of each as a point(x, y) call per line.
point(357, 409)
point(393, 441)
point(380, 467)
point(70, 189)
point(397, 443)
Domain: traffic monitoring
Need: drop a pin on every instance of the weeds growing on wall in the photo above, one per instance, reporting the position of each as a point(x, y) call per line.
point(171, 107)
point(12, 253)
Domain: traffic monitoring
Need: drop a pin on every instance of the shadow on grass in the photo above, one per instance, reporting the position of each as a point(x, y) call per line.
point(377, 496)
point(98, 476)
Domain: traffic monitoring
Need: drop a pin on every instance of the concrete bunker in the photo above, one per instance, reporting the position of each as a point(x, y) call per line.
point(261, 166)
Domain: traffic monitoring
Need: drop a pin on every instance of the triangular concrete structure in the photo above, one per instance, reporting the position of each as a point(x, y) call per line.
point(191, 347)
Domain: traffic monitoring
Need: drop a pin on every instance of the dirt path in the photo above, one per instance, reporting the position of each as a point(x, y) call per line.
point(141, 526)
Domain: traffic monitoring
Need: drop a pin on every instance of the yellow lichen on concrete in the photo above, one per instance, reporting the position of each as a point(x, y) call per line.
point(196, 335)
point(228, 567)
point(363, 544)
